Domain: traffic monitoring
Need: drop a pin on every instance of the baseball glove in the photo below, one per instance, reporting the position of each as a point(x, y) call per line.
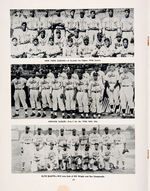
point(125, 151)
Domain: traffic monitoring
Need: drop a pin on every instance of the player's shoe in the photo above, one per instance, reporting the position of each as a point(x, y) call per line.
point(123, 168)
point(43, 115)
point(123, 115)
point(32, 114)
point(131, 116)
point(94, 116)
point(68, 116)
point(82, 115)
point(38, 115)
point(86, 116)
point(15, 115)
point(99, 116)
point(73, 116)
point(26, 115)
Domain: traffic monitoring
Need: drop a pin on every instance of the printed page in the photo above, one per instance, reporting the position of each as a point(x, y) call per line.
point(74, 95)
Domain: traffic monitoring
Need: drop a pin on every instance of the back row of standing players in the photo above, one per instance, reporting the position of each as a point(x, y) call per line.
point(84, 92)
point(77, 151)
point(54, 34)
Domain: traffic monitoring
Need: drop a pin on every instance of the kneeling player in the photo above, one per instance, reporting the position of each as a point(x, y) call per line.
point(38, 162)
point(85, 157)
point(108, 160)
point(76, 158)
point(52, 158)
point(64, 158)
point(95, 158)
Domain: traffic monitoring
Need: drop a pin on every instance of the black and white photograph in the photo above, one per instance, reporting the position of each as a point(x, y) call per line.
point(76, 148)
point(73, 91)
point(74, 33)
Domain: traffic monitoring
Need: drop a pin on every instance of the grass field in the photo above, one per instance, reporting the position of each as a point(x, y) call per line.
point(129, 168)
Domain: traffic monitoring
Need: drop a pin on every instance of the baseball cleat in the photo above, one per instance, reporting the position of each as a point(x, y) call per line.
point(38, 115)
point(26, 115)
point(32, 114)
point(16, 115)
point(43, 115)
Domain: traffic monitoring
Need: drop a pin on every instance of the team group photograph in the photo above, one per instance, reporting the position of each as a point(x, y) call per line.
point(73, 149)
point(74, 33)
point(73, 91)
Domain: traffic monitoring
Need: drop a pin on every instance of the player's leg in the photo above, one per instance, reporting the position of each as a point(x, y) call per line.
point(68, 103)
point(93, 104)
point(99, 104)
point(80, 105)
point(73, 103)
point(54, 100)
point(123, 101)
point(61, 103)
point(111, 101)
point(22, 97)
point(32, 103)
point(44, 102)
point(38, 103)
point(17, 103)
point(129, 96)
point(85, 104)
point(49, 101)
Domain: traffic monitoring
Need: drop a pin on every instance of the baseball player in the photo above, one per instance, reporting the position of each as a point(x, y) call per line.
point(50, 137)
point(43, 38)
point(85, 157)
point(117, 43)
point(95, 162)
point(127, 25)
point(61, 140)
point(71, 24)
point(110, 25)
point(73, 139)
point(19, 94)
point(33, 85)
point(85, 49)
point(94, 138)
point(101, 75)
point(69, 86)
point(127, 91)
point(93, 26)
point(57, 96)
point(45, 90)
point(120, 148)
point(38, 162)
point(32, 21)
point(82, 96)
point(82, 24)
point(108, 158)
point(96, 89)
point(52, 158)
point(106, 139)
point(50, 75)
point(64, 158)
point(23, 35)
point(35, 50)
point(59, 39)
point(52, 50)
point(83, 139)
point(26, 141)
point(16, 49)
point(70, 50)
point(39, 138)
point(112, 84)
point(76, 157)
point(126, 51)
point(107, 50)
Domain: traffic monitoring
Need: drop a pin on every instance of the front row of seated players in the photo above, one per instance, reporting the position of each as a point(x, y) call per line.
point(72, 93)
point(78, 151)
point(102, 48)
